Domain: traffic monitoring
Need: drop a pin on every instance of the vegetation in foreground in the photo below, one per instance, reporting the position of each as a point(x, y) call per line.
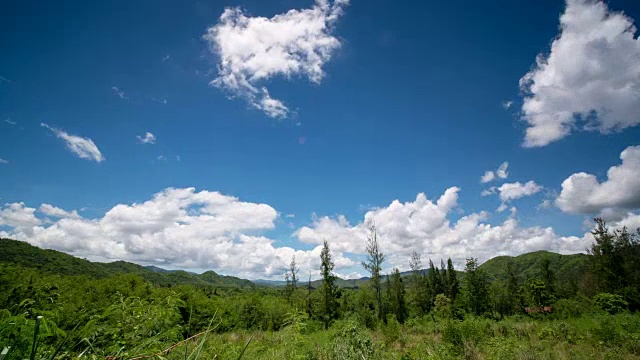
point(504, 309)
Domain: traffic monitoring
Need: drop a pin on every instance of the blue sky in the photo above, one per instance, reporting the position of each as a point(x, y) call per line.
point(390, 101)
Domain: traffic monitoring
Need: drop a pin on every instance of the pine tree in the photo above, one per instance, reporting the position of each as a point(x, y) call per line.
point(293, 270)
point(453, 283)
point(476, 287)
point(548, 277)
point(328, 286)
point(373, 265)
point(418, 285)
point(396, 296)
point(435, 282)
point(444, 277)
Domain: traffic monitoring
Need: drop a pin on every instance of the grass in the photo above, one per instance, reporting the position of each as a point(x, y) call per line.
point(600, 337)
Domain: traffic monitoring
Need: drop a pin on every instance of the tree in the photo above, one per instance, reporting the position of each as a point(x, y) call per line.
point(442, 307)
point(616, 262)
point(293, 270)
point(513, 289)
point(373, 265)
point(452, 282)
point(435, 282)
point(396, 296)
point(548, 277)
point(476, 287)
point(329, 303)
point(417, 285)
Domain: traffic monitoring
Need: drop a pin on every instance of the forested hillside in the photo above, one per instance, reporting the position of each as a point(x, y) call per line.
point(59, 263)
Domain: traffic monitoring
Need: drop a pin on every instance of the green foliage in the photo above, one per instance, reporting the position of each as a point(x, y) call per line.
point(329, 303)
point(373, 265)
point(350, 342)
point(476, 287)
point(616, 262)
point(443, 307)
point(122, 312)
point(611, 303)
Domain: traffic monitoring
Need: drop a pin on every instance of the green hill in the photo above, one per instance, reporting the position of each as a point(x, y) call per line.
point(568, 269)
point(56, 262)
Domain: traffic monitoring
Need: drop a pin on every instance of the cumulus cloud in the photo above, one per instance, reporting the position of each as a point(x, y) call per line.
point(255, 49)
point(517, 190)
point(3, 161)
point(189, 229)
point(424, 226)
point(148, 138)
point(590, 79)
point(583, 194)
point(84, 148)
point(180, 228)
point(57, 212)
point(500, 173)
point(20, 218)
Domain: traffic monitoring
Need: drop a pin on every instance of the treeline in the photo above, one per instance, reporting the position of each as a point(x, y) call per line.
point(124, 313)
point(612, 282)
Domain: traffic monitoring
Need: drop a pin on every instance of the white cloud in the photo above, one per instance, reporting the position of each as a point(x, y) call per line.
point(592, 72)
point(583, 194)
point(189, 229)
point(500, 173)
point(507, 104)
point(3, 161)
point(290, 216)
point(8, 121)
point(148, 138)
point(118, 92)
point(424, 226)
point(162, 158)
point(180, 228)
point(53, 211)
point(255, 49)
point(545, 204)
point(517, 190)
point(20, 218)
point(84, 148)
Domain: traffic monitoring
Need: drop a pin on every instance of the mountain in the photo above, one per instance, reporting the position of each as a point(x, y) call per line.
point(56, 262)
point(568, 269)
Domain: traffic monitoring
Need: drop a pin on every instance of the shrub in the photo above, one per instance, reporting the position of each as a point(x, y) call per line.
point(610, 303)
point(391, 331)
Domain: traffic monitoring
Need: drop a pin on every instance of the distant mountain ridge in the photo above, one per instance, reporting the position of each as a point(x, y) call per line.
point(568, 268)
point(56, 262)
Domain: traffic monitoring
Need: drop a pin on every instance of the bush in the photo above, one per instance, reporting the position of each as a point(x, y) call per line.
point(391, 331)
point(611, 303)
point(350, 342)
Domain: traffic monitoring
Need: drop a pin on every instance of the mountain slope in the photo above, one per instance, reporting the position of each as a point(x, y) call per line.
point(568, 269)
point(56, 262)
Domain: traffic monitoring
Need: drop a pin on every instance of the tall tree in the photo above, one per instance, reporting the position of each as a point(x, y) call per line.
point(329, 303)
point(293, 270)
point(548, 277)
point(453, 282)
point(373, 265)
point(444, 277)
point(513, 289)
point(396, 296)
point(434, 281)
point(418, 295)
point(616, 262)
point(476, 287)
